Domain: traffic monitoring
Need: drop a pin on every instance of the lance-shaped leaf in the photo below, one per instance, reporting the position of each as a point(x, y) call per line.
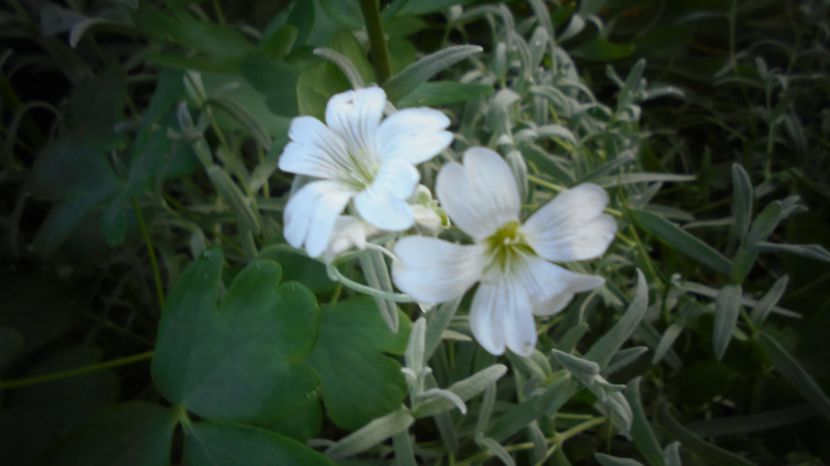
point(413, 75)
point(610, 343)
point(685, 243)
point(742, 196)
point(727, 309)
point(371, 434)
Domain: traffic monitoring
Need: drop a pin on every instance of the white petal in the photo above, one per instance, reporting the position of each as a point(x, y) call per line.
point(314, 150)
point(500, 315)
point(348, 232)
point(383, 203)
point(548, 285)
point(414, 134)
point(554, 305)
point(572, 226)
point(355, 116)
point(433, 270)
point(481, 195)
point(311, 213)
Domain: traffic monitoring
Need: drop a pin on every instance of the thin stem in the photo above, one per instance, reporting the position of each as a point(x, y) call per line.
point(377, 40)
point(220, 15)
point(76, 372)
point(151, 251)
point(557, 440)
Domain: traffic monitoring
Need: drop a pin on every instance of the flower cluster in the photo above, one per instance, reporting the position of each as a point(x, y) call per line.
point(365, 163)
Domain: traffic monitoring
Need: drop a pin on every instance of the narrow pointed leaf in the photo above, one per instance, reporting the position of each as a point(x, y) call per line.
point(727, 309)
point(413, 75)
point(611, 342)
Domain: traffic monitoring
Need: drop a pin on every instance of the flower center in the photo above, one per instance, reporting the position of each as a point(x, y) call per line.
point(361, 171)
point(506, 245)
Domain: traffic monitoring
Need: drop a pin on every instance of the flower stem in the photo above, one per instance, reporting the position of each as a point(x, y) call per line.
point(75, 372)
point(151, 251)
point(377, 40)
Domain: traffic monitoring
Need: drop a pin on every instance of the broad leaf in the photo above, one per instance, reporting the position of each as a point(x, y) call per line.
point(242, 359)
point(136, 433)
point(359, 383)
point(211, 444)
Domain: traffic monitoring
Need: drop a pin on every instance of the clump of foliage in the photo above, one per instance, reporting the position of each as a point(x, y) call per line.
point(154, 314)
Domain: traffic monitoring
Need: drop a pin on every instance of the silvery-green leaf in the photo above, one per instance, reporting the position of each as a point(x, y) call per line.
point(624, 358)
point(610, 343)
point(414, 355)
point(371, 434)
point(496, 448)
point(810, 251)
point(742, 197)
point(727, 310)
point(641, 431)
point(608, 460)
point(410, 77)
point(584, 370)
point(671, 455)
point(769, 300)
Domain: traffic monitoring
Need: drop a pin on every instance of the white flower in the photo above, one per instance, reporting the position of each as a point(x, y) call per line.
point(355, 156)
point(509, 259)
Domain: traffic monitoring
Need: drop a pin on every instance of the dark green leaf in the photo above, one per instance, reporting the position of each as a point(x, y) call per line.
point(792, 371)
point(706, 451)
point(96, 105)
point(212, 444)
point(682, 241)
point(608, 460)
point(278, 43)
point(244, 359)
point(811, 251)
point(274, 79)
point(738, 425)
point(135, 433)
point(183, 29)
point(316, 85)
point(600, 49)
point(769, 300)
point(359, 383)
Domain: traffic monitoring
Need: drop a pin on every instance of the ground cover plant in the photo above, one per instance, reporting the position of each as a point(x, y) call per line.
point(410, 232)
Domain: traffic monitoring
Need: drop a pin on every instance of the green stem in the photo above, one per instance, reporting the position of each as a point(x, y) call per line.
point(76, 372)
point(377, 40)
point(557, 440)
point(151, 251)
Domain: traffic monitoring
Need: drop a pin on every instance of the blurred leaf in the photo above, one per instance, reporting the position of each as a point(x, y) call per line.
point(727, 310)
point(600, 49)
point(209, 444)
point(707, 452)
point(302, 18)
point(769, 300)
point(359, 383)
point(59, 224)
point(811, 251)
point(602, 351)
point(241, 360)
point(70, 169)
point(404, 82)
point(278, 43)
point(274, 79)
point(96, 105)
point(742, 196)
point(244, 207)
point(136, 433)
point(440, 93)
point(345, 43)
point(38, 415)
point(682, 241)
point(421, 7)
point(792, 371)
point(114, 223)
point(608, 460)
point(30, 299)
point(183, 29)
point(736, 425)
point(316, 85)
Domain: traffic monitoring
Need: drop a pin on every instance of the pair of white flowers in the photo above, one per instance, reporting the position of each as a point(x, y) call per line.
point(360, 158)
